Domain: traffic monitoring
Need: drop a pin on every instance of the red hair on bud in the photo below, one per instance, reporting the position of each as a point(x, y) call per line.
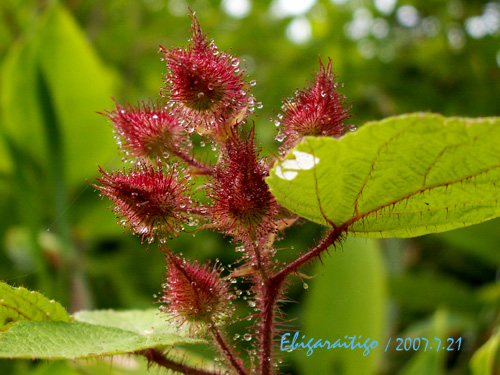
point(319, 110)
point(243, 204)
point(205, 85)
point(196, 294)
point(148, 202)
point(148, 131)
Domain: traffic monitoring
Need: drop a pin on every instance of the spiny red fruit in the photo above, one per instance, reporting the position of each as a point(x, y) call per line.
point(148, 131)
point(148, 202)
point(317, 110)
point(205, 85)
point(196, 294)
point(243, 205)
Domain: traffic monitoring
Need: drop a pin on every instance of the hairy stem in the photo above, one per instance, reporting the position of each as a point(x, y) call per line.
point(332, 237)
point(272, 290)
point(270, 295)
point(156, 356)
point(235, 362)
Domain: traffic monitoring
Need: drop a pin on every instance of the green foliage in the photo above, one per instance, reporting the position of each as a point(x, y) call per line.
point(70, 340)
point(47, 75)
point(401, 177)
point(409, 71)
point(44, 330)
point(20, 304)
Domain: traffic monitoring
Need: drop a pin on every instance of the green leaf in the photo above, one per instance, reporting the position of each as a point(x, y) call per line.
point(485, 360)
point(350, 300)
point(20, 304)
point(430, 361)
point(75, 83)
point(101, 333)
point(403, 176)
point(138, 321)
point(79, 86)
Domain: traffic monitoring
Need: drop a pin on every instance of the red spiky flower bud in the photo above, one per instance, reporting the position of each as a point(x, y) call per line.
point(206, 86)
point(319, 110)
point(243, 204)
point(148, 202)
point(148, 131)
point(196, 294)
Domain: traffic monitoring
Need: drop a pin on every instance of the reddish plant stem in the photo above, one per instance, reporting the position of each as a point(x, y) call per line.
point(155, 356)
point(235, 362)
point(335, 235)
point(270, 295)
point(272, 291)
point(203, 168)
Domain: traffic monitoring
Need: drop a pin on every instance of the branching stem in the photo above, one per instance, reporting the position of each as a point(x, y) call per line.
point(272, 290)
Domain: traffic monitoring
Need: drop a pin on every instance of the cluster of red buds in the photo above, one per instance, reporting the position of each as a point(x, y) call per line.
point(206, 92)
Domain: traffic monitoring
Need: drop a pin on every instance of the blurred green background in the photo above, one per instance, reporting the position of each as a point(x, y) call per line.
point(60, 62)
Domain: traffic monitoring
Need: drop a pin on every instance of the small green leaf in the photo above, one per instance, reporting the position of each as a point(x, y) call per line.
point(20, 304)
point(403, 176)
point(485, 360)
point(98, 333)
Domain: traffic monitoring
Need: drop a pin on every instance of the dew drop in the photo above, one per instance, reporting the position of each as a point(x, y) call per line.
point(247, 337)
point(280, 137)
point(236, 337)
point(305, 286)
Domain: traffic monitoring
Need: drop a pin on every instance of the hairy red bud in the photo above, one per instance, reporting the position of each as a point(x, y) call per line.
point(243, 205)
point(148, 202)
point(148, 131)
point(206, 85)
point(319, 110)
point(196, 294)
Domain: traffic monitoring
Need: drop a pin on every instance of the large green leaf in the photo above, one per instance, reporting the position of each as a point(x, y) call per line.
point(350, 300)
point(79, 86)
point(138, 321)
point(20, 304)
point(101, 333)
point(400, 177)
point(52, 84)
